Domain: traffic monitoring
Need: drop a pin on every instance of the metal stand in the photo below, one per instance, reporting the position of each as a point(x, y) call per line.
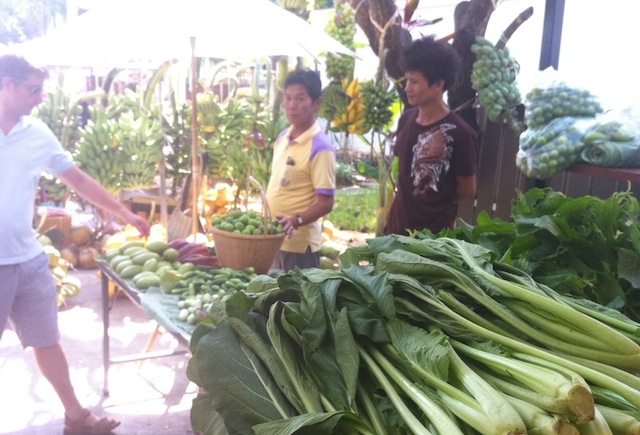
point(108, 275)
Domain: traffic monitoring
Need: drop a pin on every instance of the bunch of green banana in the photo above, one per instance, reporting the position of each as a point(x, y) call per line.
point(342, 27)
point(334, 101)
point(377, 101)
point(121, 148)
point(51, 188)
point(62, 115)
point(493, 76)
point(352, 121)
point(225, 147)
point(99, 153)
point(208, 112)
point(261, 164)
point(209, 115)
point(176, 126)
point(117, 105)
point(142, 147)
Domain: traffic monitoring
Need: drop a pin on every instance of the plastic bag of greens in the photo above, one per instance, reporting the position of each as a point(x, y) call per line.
point(613, 140)
point(552, 147)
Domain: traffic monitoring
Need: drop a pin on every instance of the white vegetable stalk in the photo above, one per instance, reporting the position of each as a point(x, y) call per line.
point(551, 404)
point(440, 420)
point(620, 422)
point(558, 382)
point(597, 426)
point(409, 418)
point(539, 421)
point(506, 420)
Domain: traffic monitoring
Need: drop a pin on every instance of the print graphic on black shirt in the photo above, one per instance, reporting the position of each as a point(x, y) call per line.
point(431, 159)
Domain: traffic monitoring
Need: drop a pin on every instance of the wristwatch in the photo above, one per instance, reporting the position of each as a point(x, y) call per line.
point(299, 220)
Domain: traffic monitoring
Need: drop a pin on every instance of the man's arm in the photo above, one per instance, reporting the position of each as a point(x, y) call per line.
point(466, 187)
point(92, 191)
point(320, 208)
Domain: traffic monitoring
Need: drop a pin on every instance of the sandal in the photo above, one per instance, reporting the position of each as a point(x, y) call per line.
point(81, 426)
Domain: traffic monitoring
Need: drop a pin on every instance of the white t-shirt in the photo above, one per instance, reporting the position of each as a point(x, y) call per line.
point(29, 149)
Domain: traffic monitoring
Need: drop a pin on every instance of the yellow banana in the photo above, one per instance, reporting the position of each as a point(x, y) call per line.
point(353, 88)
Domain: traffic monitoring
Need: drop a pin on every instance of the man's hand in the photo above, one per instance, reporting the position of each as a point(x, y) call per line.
point(289, 224)
point(141, 224)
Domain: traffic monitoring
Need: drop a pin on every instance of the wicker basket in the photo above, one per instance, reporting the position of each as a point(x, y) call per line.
point(238, 251)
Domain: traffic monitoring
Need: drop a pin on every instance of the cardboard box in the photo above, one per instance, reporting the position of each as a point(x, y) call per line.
point(60, 223)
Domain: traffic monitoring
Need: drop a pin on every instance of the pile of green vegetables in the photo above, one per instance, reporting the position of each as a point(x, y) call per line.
point(586, 247)
point(432, 335)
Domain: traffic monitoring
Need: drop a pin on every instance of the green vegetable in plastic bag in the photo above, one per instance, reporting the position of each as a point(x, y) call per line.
point(551, 148)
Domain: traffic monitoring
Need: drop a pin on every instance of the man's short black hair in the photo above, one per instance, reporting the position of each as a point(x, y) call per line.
point(436, 60)
point(18, 68)
point(307, 78)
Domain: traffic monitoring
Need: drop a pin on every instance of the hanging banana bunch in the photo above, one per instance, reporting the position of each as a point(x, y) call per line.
point(98, 152)
point(352, 120)
point(342, 27)
point(377, 100)
point(176, 126)
point(224, 146)
point(208, 111)
point(142, 146)
point(120, 147)
point(62, 114)
point(493, 77)
point(334, 101)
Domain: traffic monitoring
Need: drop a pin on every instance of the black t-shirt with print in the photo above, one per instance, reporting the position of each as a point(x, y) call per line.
point(430, 157)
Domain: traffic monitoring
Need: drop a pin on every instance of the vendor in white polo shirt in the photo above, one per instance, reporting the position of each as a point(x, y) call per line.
point(303, 174)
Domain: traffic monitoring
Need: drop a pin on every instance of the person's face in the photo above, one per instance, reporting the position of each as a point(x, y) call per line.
point(419, 91)
point(299, 107)
point(25, 94)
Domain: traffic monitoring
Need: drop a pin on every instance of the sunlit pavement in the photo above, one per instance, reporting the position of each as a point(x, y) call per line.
point(152, 397)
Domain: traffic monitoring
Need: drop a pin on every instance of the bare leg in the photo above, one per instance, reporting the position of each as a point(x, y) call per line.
point(54, 367)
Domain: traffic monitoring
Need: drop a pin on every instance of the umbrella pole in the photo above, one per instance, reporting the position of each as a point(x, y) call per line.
point(195, 160)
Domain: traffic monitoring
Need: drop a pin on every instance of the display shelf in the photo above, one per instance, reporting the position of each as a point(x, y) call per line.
point(619, 174)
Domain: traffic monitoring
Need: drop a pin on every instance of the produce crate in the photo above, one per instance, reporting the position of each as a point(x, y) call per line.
point(58, 229)
point(238, 251)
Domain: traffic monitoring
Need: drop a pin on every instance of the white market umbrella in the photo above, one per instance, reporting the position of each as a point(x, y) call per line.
point(139, 32)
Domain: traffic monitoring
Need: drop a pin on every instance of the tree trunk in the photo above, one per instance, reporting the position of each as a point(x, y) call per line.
point(373, 16)
point(470, 20)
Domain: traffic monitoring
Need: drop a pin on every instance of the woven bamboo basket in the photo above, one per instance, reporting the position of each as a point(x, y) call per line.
point(239, 251)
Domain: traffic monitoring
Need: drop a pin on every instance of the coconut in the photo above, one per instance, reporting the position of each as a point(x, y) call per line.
point(70, 253)
point(80, 236)
point(87, 258)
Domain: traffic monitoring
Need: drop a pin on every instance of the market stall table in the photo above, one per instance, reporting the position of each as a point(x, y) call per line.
point(619, 174)
point(158, 307)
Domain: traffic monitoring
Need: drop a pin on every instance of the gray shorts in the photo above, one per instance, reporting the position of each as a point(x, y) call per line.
point(288, 261)
point(29, 302)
